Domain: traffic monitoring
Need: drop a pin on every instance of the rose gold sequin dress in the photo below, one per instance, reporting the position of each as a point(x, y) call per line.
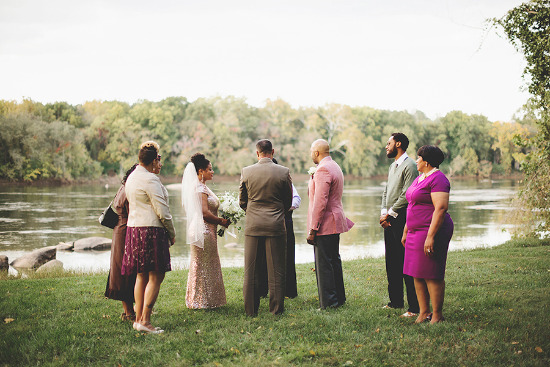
point(205, 287)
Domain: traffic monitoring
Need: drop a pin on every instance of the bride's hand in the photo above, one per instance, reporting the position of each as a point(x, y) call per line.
point(225, 222)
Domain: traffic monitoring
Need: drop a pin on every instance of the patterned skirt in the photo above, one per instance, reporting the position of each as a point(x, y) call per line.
point(146, 249)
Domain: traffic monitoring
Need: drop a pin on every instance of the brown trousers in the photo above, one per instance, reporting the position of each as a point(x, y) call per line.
point(274, 249)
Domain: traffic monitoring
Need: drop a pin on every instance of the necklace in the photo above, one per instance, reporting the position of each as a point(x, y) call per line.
point(426, 174)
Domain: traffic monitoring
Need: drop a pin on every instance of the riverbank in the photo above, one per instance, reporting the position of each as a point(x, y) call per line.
point(298, 177)
point(496, 307)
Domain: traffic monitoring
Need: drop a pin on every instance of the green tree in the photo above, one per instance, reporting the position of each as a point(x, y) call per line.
point(34, 149)
point(527, 26)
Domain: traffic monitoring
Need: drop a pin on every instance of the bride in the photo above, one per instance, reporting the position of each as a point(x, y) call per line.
point(205, 287)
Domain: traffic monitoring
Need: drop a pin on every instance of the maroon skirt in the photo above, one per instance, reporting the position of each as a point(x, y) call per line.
point(146, 249)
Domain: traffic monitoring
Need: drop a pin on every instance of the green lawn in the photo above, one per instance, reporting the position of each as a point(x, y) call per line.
point(496, 306)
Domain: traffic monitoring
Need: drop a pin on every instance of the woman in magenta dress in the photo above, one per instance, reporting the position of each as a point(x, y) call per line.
point(427, 233)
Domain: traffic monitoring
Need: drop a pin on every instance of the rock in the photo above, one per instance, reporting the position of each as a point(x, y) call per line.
point(52, 265)
point(92, 243)
point(4, 264)
point(35, 258)
point(65, 246)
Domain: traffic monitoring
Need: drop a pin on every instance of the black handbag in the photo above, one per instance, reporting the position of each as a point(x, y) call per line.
point(109, 218)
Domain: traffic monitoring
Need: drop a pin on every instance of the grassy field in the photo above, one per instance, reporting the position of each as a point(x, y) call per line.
point(497, 308)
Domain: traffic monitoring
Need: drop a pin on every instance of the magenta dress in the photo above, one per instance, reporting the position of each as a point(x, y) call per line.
point(419, 217)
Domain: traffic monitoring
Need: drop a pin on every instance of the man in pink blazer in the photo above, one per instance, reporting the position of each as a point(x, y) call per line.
point(325, 221)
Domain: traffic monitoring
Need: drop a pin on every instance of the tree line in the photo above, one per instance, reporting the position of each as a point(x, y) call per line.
point(63, 141)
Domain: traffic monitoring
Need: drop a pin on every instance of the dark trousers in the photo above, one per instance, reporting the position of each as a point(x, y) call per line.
point(328, 268)
point(273, 250)
point(291, 290)
point(395, 256)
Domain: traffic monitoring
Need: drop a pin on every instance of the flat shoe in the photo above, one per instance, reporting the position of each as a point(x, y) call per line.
point(409, 314)
point(144, 328)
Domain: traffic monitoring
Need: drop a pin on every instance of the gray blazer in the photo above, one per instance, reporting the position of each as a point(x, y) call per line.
point(265, 194)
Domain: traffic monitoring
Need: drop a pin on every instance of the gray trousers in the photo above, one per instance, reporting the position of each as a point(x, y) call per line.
point(275, 255)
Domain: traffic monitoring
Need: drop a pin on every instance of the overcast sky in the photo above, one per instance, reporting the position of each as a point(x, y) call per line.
point(427, 55)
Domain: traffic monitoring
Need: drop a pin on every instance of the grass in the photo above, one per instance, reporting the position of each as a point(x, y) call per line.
point(496, 306)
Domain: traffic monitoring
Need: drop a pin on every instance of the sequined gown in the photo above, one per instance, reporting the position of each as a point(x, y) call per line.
point(205, 287)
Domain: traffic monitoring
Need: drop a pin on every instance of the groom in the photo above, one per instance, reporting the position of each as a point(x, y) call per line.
point(265, 194)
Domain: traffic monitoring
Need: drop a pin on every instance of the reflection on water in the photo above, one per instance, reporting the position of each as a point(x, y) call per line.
point(34, 217)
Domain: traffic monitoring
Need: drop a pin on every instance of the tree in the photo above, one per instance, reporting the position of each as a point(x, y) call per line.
point(527, 27)
point(505, 150)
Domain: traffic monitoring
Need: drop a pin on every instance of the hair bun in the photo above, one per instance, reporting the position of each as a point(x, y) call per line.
point(198, 158)
point(200, 161)
point(150, 145)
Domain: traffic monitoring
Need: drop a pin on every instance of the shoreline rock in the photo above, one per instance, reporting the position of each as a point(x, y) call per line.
point(92, 243)
point(4, 264)
point(52, 265)
point(35, 258)
point(65, 246)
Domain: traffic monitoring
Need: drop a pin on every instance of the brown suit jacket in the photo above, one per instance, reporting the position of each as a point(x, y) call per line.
point(265, 194)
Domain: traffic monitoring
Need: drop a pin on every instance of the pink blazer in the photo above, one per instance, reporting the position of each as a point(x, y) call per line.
point(325, 212)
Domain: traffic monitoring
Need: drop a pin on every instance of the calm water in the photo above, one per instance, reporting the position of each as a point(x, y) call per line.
point(34, 217)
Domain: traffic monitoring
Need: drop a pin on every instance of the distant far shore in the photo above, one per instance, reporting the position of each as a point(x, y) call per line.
point(115, 180)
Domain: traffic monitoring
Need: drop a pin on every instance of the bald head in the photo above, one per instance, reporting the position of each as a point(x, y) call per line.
point(319, 150)
point(321, 145)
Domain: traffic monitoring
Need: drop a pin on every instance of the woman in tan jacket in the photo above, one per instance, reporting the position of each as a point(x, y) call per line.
point(150, 233)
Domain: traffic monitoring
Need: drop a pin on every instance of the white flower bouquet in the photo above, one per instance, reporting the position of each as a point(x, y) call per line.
point(230, 209)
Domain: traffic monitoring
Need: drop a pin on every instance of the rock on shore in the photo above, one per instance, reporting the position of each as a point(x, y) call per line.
point(65, 246)
point(52, 265)
point(35, 258)
point(4, 264)
point(92, 243)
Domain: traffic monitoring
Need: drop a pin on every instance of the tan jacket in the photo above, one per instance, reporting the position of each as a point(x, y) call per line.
point(265, 194)
point(148, 201)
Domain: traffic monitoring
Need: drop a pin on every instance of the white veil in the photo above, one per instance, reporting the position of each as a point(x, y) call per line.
point(192, 202)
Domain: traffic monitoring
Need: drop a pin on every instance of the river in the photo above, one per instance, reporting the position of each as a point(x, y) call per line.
point(34, 217)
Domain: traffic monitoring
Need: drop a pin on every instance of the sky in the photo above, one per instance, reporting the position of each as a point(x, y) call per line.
point(432, 56)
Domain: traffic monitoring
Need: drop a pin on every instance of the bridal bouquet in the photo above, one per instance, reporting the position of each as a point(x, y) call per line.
point(230, 209)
